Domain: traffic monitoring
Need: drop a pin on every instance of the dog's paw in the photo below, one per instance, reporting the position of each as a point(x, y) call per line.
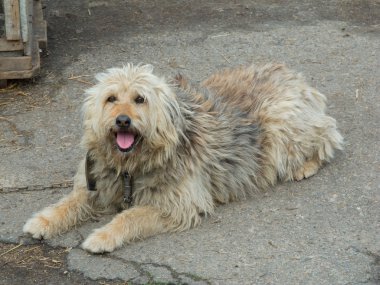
point(101, 241)
point(307, 170)
point(38, 227)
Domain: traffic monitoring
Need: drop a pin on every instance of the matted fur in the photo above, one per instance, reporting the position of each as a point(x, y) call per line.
point(241, 131)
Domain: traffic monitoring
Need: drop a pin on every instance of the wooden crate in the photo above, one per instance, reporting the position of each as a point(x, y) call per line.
point(24, 34)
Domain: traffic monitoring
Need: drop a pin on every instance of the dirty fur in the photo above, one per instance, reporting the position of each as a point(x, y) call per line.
point(242, 130)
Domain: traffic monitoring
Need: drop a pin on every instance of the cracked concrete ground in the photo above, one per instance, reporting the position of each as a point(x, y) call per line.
point(323, 230)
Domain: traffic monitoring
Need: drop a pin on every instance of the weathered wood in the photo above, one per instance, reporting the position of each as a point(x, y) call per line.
point(10, 45)
point(16, 74)
point(27, 66)
point(18, 63)
point(39, 24)
point(28, 18)
point(21, 59)
point(40, 33)
point(12, 20)
point(35, 57)
point(24, 20)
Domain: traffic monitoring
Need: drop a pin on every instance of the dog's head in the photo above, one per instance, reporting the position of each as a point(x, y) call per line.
point(130, 111)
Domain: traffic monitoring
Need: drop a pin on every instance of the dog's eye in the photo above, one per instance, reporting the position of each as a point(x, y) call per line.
point(111, 99)
point(139, 100)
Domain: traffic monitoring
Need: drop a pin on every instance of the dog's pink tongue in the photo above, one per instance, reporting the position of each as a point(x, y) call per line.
point(124, 140)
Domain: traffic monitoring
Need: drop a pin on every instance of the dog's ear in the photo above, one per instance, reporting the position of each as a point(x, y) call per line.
point(147, 68)
point(100, 77)
point(166, 118)
point(181, 81)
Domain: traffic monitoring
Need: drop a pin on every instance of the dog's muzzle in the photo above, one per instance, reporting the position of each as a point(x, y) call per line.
point(126, 137)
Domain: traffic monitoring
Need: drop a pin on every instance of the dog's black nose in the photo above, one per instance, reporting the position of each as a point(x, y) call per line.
point(123, 121)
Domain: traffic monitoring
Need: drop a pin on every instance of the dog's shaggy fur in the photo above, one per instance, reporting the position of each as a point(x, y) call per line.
point(189, 149)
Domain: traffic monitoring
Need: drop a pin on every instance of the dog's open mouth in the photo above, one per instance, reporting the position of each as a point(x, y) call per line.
point(126, 140)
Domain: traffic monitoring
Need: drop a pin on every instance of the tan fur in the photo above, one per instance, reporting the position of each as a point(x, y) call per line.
point(241, 131)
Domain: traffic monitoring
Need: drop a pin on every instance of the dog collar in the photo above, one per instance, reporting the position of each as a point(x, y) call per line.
point(91, 181)
point(128, 190)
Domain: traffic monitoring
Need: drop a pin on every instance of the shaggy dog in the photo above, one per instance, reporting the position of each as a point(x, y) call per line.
point(166, 154)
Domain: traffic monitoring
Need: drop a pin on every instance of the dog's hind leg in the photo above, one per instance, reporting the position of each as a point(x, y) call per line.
point(309, 168)
point(132, 224)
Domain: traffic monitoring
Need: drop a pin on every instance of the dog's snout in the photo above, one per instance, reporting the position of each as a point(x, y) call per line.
point(123, 121)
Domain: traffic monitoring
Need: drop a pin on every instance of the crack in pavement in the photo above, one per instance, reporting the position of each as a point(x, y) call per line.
point(58, 185)
point(177, 276)
point(146, 276)
point(375, 264)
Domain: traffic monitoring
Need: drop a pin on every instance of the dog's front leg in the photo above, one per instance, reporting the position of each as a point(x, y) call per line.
point(135, 223)
point(68, 212)
point(59, 217)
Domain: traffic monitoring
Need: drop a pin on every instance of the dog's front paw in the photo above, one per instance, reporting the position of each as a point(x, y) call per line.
point(102, 241)
point(38, 227)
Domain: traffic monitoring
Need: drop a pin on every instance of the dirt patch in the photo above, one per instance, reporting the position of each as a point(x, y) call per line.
point(40, 264)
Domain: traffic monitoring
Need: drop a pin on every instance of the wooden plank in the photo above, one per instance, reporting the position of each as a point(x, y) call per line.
point(16, 74)
point(35, 56)
point(40, 33)
point(39, 24)
point(33, 66)
point(28, 6)
point(24, 19)
point(33, 29)
point(12, 20)
point(16, 63)
point(10, 45)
